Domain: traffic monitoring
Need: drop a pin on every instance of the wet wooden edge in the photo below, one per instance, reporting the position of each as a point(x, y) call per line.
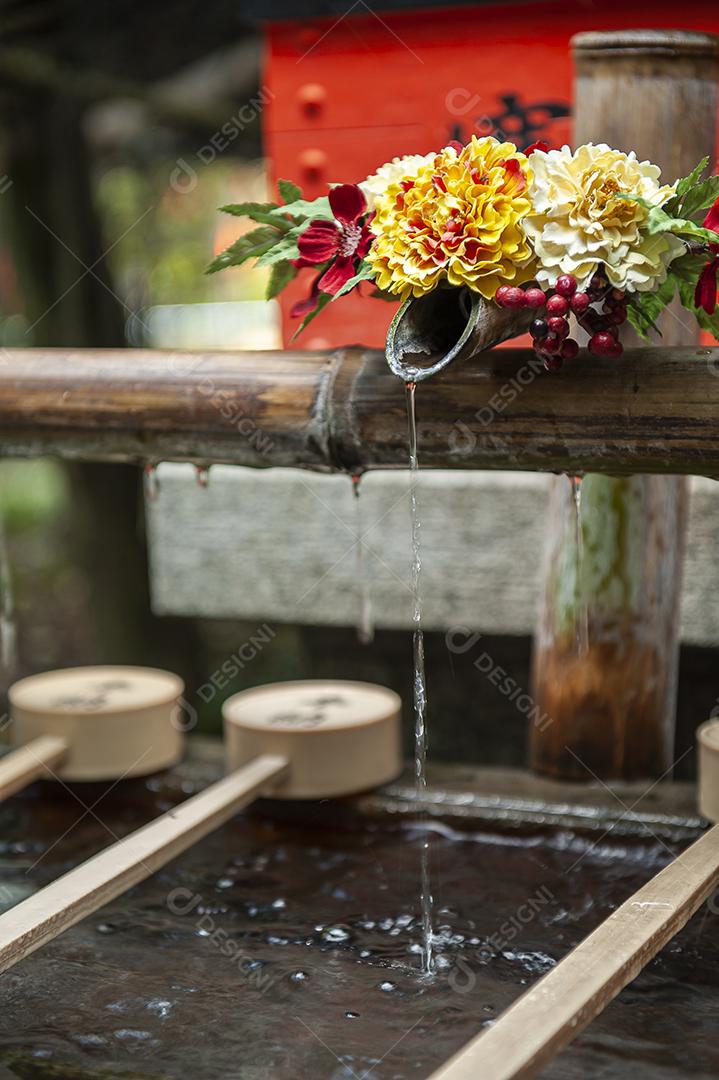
point(460, 795)
point(503, 798)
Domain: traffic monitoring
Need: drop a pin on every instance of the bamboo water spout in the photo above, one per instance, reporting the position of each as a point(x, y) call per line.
point(656, 410)
point(429, 332)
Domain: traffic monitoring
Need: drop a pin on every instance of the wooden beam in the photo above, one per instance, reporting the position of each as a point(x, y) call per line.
point(656, 410)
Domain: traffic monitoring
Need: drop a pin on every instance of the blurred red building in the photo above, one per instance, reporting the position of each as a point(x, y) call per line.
point(350, 91)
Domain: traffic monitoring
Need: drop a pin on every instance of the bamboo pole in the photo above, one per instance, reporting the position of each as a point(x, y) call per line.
point(607, 648)
point(656, 410)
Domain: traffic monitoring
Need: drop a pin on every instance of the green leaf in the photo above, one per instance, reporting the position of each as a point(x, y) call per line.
point(658, 221)
point(282, 274)
point(638, 321)
point(324, 299)
point(637, 199)
point(706, 322)
point(250, 246)
point(247, 209)
point(264, 213)
point(302, 210)
point(645, 308)
point(365, 273)
point(688, 267)
point(382, 294)
point(290, 192)
point(700, 197)
point(688, 228)
point(693, 178)
point(672, 206)
point(285, 248)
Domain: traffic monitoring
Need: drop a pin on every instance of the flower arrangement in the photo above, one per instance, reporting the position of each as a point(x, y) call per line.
point(591, 234)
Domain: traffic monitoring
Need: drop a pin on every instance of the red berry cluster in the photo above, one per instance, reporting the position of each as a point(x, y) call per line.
point(550, 330)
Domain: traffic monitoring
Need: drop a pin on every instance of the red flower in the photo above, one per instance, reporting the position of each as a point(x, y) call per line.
point(538, 145)
point(304, 307)
point(345, 241)
point(705, 294)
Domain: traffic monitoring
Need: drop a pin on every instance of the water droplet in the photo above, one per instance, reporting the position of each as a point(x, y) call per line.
point(387, 986)
point(279, 904)
point(160, 1008)
point(299, 976)
point(351, 1015)
point(106, 928)
point(8, 631)
point(581, 614)
point(225, 883)
point(336, 934)
point(152, 484)
point(365, 628)
point(90, 1040)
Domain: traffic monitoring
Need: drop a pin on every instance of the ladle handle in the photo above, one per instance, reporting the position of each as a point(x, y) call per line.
point(88, 887)
point(549, 1015)
point(34, 761)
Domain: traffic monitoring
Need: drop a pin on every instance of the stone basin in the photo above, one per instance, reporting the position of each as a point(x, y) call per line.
point(284, 947)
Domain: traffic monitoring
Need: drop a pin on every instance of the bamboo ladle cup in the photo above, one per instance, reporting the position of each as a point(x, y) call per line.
point(308, 740)
point(91, 724)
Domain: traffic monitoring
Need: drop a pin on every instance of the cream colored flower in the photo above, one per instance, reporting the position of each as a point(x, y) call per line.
point(399, 168)
point(578, 221)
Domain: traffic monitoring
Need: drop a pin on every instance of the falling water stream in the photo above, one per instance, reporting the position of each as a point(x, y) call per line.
point(152, 484)
point(202, 475)
point(581, 610)
point(365, 629)
point(8, 636)
point(420, 682)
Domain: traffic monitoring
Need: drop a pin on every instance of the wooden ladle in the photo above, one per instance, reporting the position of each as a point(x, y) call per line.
point(92, 724)
point(307, 740)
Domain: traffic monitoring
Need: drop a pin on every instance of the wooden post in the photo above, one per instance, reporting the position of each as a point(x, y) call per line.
point(606, 653)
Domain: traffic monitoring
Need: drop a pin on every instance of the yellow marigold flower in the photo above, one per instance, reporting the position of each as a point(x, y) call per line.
point(457, 219)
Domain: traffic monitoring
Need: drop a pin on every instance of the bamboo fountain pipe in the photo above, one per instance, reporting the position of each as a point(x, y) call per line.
point(656, 410)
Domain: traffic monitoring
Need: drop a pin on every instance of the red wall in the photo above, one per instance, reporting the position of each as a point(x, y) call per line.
point(352, 93)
